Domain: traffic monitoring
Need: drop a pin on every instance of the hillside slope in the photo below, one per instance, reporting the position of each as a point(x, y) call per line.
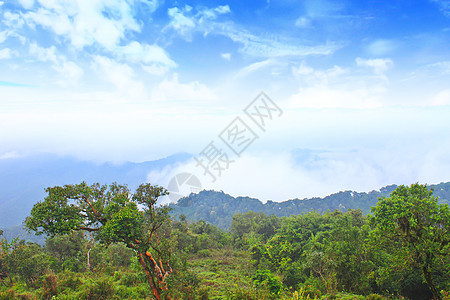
point(218, 208)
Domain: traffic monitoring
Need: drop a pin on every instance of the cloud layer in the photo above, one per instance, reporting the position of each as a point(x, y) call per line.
point(110, 80)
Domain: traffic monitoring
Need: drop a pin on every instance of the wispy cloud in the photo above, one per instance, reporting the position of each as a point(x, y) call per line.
point(69, 70)
point(258, 46)
point(444, 5)
point(136, 52)
point(9, 155)
point(379, 65)
point(14, 84)
point(361, 86)
point(226, 56)
point(186, 21)
point(381, 47)
point(6, 53)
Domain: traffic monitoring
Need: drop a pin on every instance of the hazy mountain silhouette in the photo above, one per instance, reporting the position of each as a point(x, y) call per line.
point(23, 180)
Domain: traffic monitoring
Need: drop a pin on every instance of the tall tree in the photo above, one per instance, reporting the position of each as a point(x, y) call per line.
point(112, 214)
point(413, 217)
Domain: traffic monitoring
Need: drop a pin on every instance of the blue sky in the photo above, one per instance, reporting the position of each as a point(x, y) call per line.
point(364, 85)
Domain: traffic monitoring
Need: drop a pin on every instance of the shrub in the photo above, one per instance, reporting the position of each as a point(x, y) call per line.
point(50, 287)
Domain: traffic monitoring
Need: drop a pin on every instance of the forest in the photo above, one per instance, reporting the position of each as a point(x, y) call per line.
point(107, 242)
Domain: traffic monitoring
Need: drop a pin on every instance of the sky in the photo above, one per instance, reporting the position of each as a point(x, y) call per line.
point(357, 93)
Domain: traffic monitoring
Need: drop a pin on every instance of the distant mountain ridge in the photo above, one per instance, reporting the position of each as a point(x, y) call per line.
point(23, 180)
point(218, 208)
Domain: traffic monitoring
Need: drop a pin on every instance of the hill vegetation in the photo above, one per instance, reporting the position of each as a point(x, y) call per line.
point(401, 250)
point(41, 171)
point(218, 208)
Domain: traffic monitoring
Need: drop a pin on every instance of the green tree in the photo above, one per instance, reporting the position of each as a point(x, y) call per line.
point(68, 251)
point(412, 217)
point(28, 261)
point(343, 251)
point(3, 254)
point(251, 227)
point(112, 214)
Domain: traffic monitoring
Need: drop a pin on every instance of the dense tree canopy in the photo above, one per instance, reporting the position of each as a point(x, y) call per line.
point(412, 217)
point(400, 251)
point(112, 214)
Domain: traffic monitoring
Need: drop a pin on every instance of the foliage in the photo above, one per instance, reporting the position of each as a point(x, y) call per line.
point(112, 215)
point(412, 219)
point(331, 255)
point(218, 208)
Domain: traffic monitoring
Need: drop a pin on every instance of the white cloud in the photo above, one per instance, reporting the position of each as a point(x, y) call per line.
point(3, 35)
point(104, 23)
point(318, 77)
point(172, 89)
point(59, 23)
point(226, 56)
point(9, 155)
point(186, 21)
point(379, 65)
point(151, 4)
point(27, 4)
point(267, 47)
point(86, 23)
point(381, 47)
point(222, 9)
point(180, 22)
point(442, 67)
point(12, 20)
point(442, 98)
point(121, 75)
point(148, 54)
point(44, 54)
point(6, 53)
point(341, 87)
point(70, 71)
point(247, 70)
point(444, 5)
point(303, 22)
point(279, 177)
point(155, 69)
point(337, 97)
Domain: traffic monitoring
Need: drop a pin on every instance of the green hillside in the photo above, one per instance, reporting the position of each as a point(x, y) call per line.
point(218, 208)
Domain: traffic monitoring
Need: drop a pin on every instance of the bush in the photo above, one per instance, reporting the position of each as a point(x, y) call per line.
point(375, 297)
point(204, 253)
point(8, 294)
point(265, 277)
point(101, 289)
point(69, 280)
point(50, 287)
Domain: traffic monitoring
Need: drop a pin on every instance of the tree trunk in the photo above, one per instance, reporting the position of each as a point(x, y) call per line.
point(156, 275)
point(151, 282)
point(428, 278)
point(88, 260)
